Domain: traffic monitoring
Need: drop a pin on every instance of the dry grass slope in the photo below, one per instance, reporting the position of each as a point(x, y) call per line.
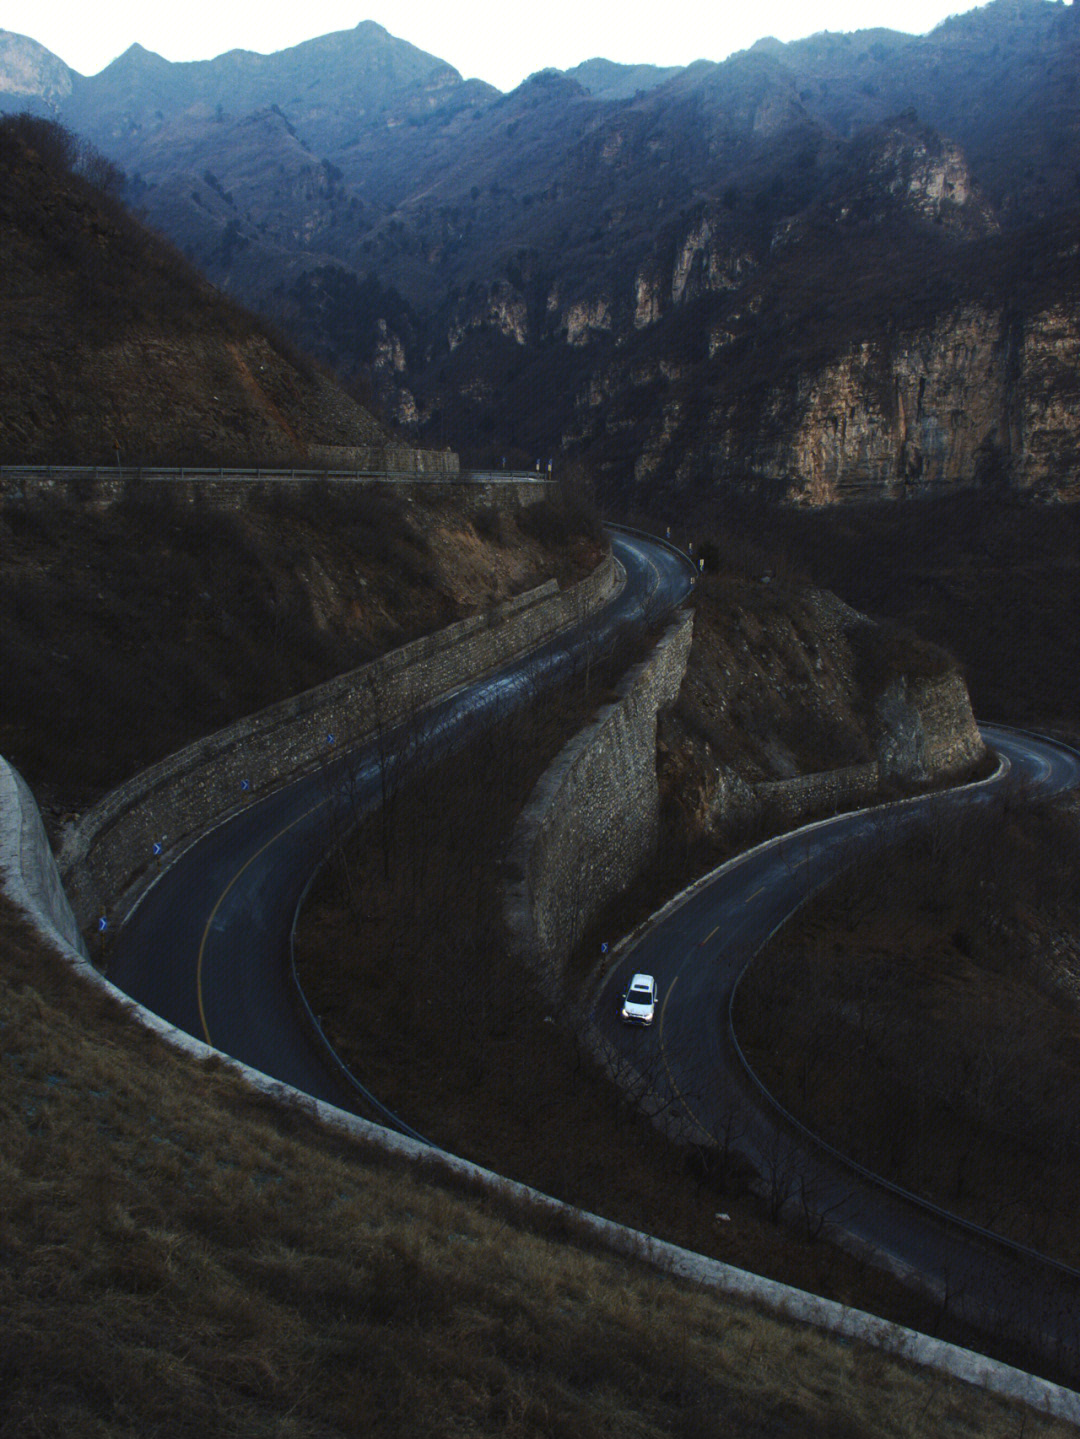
point(944, 993)
point(112, 343)
point(132, 630)
point(181, 1256)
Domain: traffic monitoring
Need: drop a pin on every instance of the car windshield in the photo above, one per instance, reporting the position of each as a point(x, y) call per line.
point(640, 996)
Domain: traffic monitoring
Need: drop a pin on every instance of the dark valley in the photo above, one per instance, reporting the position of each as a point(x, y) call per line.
point(844, 267)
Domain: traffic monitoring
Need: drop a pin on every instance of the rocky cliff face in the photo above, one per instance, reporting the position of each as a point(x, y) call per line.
point(978, 399)
point(794, 703)
point(839, 268)
point(1047, 401)
point(31, 76)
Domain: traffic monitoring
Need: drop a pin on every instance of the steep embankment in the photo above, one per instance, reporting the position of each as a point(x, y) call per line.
point(240, 1269)
point(135, 627)
point(114, 350)
point(782, 681)
point(795, 703)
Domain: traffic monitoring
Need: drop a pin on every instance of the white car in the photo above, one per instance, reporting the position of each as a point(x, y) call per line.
point(639, 1001)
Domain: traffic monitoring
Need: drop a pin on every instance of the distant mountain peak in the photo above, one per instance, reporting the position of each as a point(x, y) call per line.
point(609, 80)
point(557, 82)
point(136, 57)
point(30, 72)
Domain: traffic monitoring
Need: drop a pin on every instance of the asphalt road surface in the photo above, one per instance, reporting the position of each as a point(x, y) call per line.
point(207, 949)
point(689, 1069)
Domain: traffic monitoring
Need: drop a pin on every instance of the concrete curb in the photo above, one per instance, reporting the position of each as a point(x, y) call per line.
point(619, 840)
point(31, 879)
point(141, 826)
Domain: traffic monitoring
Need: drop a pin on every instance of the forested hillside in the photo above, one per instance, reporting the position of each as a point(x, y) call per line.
point(843, 266)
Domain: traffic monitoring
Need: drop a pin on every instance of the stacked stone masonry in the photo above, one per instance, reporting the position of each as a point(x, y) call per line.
point(928, 736)
point(389, 457)
point(234, 491)
point(592, 822)
point(111, 853)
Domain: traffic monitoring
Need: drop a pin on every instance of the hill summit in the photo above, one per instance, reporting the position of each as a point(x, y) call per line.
point(843, 267)
point(114, 347)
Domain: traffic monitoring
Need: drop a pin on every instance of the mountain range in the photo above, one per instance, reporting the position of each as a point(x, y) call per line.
point(115, 351)
point(845, 266)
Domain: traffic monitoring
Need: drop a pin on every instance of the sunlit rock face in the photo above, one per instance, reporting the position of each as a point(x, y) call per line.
point(979, 399)
point(31, 77)
point(841, 267)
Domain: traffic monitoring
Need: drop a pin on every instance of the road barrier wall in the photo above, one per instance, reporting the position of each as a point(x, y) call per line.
point(927, 737)
point(29, 877)
point(387, 457)
point(27, 863)
point(593, 819)
point(118, 845)
point(234, 490)
point(591, 824)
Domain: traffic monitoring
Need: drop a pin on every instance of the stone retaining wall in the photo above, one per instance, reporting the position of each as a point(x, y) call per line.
point(947, 739)
point(27, 863)
point(113, 847)
point(28, 876)
point(788, 801)
point(928, 736)
point(592, 821)
point(234, 490)
point(385, 457)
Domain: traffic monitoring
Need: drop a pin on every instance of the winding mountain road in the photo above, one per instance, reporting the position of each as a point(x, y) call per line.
point(692, 1068)
point(208, 949)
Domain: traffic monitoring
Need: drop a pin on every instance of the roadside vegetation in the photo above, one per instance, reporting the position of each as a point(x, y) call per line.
point(132, 629)
point(184, 1256)
point(993, 578)
point(942, 990)
point(403, 956)
point(138, 1182)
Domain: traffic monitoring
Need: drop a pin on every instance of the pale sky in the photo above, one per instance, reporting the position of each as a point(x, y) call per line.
point(500, 43)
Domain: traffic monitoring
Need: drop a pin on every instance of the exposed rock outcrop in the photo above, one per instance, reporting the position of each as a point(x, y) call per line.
point(794, 704)
point(844, 267)
point(32, 76)
point(981, 398)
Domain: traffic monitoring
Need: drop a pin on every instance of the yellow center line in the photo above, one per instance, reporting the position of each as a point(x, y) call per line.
point(220, 901)
point(663, 1008)
point(663, 1054)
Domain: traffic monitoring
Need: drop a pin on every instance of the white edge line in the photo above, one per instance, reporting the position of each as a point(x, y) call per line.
point(1003, 1380)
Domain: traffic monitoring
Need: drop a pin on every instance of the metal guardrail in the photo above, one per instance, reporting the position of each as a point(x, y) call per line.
point(186, 472)
point(665, 543)
point(945, 1216)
